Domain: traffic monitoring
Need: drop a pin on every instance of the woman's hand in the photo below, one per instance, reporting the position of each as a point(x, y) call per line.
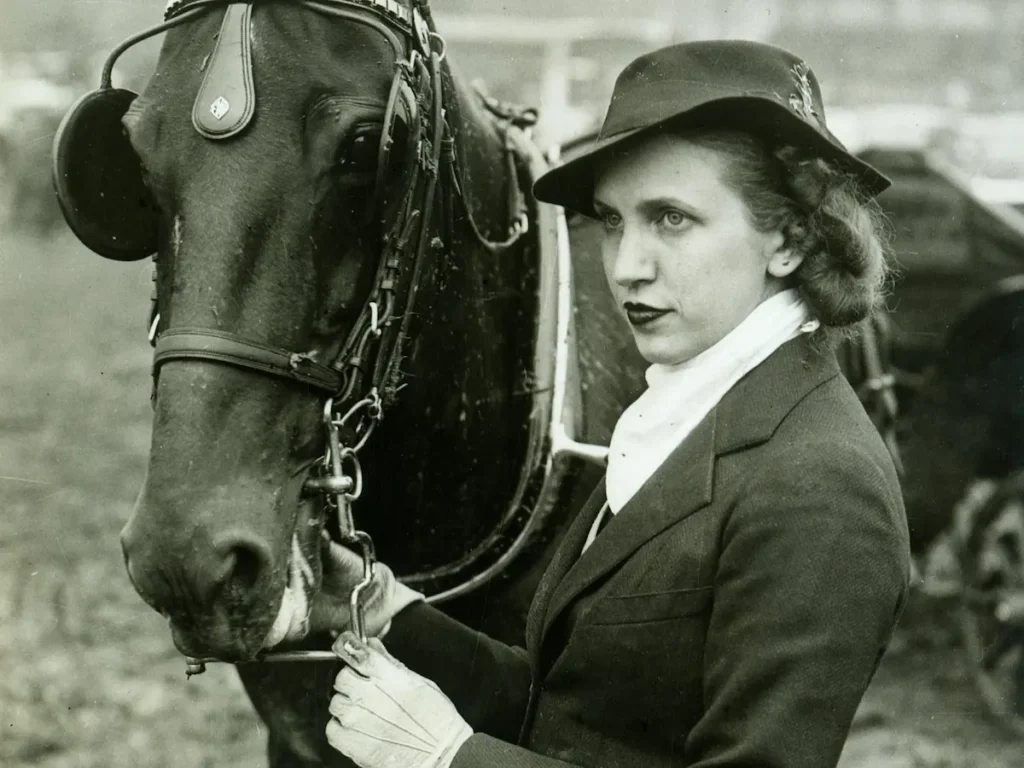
point(343, 570)
point(383, 715)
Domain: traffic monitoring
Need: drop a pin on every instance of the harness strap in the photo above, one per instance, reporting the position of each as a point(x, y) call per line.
point(221, 347)
point(517, 205)
point(880, 385)
point(438, 128)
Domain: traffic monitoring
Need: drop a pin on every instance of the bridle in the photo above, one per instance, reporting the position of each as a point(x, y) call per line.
point(356, 384)
point(370, 350)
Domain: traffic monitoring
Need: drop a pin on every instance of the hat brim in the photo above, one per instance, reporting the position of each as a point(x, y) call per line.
point(571, 184)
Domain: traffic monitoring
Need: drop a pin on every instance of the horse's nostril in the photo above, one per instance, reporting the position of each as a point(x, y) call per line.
point(247, 560)
point(249, 566)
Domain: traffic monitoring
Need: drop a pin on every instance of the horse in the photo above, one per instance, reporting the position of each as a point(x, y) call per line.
point(364, 326)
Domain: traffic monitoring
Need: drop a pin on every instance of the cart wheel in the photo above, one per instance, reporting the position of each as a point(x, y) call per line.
point(992, 610)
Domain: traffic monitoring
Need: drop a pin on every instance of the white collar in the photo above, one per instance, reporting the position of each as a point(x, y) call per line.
point(680, 396)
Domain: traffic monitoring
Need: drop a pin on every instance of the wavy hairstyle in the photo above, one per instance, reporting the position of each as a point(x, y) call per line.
point(822, 213)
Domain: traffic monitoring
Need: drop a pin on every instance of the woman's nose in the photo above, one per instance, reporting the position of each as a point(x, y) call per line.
point(634, 262)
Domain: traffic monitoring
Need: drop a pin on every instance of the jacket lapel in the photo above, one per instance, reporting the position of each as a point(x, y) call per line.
point(565, 556)
point(678, 488)
point(753, 409)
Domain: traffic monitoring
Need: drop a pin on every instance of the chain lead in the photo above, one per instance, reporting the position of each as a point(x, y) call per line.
point(342, 489)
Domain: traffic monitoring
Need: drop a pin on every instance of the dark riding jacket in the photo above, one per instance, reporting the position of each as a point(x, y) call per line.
point(731, 614)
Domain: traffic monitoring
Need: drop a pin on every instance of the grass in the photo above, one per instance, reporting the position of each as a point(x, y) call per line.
point(89, 674)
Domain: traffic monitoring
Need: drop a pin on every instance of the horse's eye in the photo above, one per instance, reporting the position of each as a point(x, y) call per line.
point(360, 155)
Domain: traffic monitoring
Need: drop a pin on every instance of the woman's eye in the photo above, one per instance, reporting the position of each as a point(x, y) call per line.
point(674, 219)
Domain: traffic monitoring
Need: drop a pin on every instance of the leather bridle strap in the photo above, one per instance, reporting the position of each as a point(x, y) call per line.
point(220, 347)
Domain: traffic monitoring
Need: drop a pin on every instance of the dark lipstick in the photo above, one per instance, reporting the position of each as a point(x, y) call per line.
point(640, 314)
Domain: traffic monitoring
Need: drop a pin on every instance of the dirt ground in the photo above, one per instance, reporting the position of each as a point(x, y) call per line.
point(88, 675)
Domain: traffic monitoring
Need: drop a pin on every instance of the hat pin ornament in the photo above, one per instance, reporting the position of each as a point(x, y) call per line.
point(803, 102)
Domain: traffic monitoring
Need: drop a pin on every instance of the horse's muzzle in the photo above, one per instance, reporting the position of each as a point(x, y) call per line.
point(214, 589)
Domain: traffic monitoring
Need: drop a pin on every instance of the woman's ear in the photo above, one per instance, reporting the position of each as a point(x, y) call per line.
point(782, 260)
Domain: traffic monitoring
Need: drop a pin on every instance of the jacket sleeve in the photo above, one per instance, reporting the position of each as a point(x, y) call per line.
point(813, 574)
point(487, 681)
point(482, 751)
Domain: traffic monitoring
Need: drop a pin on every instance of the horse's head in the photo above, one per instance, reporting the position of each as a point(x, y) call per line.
point(260, 142)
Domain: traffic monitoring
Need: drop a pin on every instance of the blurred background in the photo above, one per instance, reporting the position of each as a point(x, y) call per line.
point(939, 74)
point(88, 676)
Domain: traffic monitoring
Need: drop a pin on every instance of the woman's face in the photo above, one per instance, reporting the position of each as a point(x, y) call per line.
point(681, 257)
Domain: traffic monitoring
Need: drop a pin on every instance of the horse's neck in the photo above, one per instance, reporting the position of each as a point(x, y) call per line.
point(457, 434)
point(476, 275)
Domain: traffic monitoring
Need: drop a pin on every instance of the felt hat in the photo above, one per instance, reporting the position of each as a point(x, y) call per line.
point(709, 84)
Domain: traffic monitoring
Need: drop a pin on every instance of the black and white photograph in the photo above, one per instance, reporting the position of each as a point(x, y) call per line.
point(512, 383)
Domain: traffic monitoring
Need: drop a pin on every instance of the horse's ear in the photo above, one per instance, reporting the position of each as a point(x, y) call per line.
point(98, 179)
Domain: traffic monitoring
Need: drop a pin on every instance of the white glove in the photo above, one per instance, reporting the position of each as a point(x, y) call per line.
point(384, 598)
point(384, 715)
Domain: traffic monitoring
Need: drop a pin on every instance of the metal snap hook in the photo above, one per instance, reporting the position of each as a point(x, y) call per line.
point(356, 608)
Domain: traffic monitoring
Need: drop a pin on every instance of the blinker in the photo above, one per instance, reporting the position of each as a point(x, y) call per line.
point(97, 176)
point(99, 180)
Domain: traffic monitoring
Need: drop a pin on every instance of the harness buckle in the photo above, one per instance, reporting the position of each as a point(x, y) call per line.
point(153, 327)
point(375, 328)
point(877, 383)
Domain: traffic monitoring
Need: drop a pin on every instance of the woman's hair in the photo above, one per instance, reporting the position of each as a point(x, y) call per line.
point(823, 215)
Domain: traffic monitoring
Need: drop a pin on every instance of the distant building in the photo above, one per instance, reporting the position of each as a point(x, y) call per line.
point(963, 54)
point(958, 53)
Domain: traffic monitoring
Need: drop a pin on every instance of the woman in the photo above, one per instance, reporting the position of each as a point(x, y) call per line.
point(754, 555)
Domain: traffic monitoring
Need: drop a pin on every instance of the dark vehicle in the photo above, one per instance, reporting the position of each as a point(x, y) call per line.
point(943, 373)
